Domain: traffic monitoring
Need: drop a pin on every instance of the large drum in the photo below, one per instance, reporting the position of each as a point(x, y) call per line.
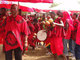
point(42, 35)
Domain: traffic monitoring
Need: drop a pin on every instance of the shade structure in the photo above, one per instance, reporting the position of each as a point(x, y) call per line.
point(4, 4)
point(7, 6)
point(26, 9)
point(32, 1)
point(46, 10)
point(37, 10)
point(75, 12)
point(41, 10)
point(23, 8)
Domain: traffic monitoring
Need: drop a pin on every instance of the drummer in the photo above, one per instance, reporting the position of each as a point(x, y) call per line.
point(2, 24)
point(47, 41)
point(14, 27)
point(56, 42)
point(49, 32)
point(37, 27)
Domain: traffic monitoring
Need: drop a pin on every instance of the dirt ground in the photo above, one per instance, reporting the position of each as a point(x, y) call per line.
point(37, 54)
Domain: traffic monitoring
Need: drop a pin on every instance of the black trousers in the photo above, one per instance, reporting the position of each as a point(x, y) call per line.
point(17, 53)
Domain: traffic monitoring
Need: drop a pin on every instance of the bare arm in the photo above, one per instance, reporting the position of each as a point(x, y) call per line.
point(61, 23)
point(25, 44)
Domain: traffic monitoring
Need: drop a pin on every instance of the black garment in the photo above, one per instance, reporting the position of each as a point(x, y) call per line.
point(77, 52)
point(17, 53)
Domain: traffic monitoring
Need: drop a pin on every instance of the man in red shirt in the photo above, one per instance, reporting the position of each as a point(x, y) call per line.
point(2, 23)
point(16, 29)
point(79, 18)
point(77, 47)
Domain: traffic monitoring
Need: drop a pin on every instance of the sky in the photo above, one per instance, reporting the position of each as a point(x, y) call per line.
point(66, 3)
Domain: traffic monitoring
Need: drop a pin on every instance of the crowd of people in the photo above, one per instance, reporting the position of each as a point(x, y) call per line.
point(62, 28)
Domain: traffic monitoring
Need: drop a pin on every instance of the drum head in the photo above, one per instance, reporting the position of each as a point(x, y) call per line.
point(42, 35)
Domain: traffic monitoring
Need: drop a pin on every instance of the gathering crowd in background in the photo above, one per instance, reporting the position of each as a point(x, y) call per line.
point(62, 28)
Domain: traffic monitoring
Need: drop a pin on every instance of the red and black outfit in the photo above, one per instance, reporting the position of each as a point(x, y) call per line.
point(15, 32)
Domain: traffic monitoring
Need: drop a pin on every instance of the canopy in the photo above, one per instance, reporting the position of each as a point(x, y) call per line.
point(38, 7)
point(32, 1)
point(26, 9)
point(7, 6)
point(42, 6)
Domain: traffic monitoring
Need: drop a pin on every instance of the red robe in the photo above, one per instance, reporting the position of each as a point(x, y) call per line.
point(15, 27)
point(2, 28)
point(30, 38)
point(78, 35)
point(56, 42)
point(41, 26)
point(75, 25)
point(68, 25)
point(37, 28)
point(31, 26)
point(68, 31)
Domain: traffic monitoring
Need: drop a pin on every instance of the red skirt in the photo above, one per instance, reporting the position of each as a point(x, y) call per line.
point(57, 45)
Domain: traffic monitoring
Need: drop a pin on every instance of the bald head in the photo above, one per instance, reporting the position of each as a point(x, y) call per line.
point(14, 9)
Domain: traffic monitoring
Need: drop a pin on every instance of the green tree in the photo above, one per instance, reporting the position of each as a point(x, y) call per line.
point(54, 4)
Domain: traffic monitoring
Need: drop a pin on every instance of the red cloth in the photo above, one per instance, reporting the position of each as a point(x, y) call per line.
point(57, 29)
point(23, 8)
point(47, 41)
point(41, 26)
point(78, 35)
point(30, 40)
point(2, 28)
point(34, 1)
point(31, 26)
point(75, 25)
point(29, 32)
point(14, 28)
point(66, 16)
point(67, 20)
point(57, 45)
point(5, 6)
point(37, 27)
point(56, 41)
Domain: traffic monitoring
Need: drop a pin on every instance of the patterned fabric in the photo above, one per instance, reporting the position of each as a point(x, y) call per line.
point(56, 40)
point(13, 36)
point(2, 28)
